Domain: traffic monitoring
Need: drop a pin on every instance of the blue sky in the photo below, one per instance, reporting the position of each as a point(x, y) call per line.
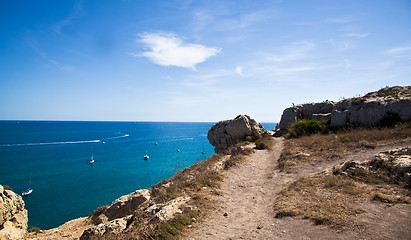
point(195, 60)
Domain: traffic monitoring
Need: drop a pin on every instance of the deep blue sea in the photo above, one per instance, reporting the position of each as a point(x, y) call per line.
point(53, 157)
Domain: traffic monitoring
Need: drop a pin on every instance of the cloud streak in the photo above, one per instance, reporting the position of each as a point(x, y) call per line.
point(76, 13)
point(398, 50)
point(170, 50)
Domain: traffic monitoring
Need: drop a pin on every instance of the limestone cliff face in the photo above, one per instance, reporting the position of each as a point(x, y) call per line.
point(226, 133)
point(368, 110)
point(13, 216)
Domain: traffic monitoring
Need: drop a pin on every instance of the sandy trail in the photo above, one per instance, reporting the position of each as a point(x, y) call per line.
point(245, 200)
point(245, 207)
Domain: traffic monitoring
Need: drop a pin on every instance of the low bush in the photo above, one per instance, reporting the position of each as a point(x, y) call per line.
point(305, 127)
point(390, 119)
point(260, 144)
point(34, 230)
point(7, 187)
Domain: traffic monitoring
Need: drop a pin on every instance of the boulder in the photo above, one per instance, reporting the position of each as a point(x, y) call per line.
point(13, 216)
point(227, 133)
point(164, 212)
point(105, 230)
point(127, 204)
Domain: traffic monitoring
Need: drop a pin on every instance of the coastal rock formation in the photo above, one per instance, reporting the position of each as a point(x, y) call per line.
point(318, 111)
point(387, 104)
point(126, 212)
point(102, 231)
point(168, 210)
point(121, 207)
point(226, 133)
point(126, 205)
point(396, 163)
point(13, 216)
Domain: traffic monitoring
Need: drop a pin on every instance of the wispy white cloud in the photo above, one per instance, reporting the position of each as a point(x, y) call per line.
point(49, 60)
point(347, 66)
point(398, 50)
point(294, 51)
point(357, 35)
point(269, 70)
point(169, 50)
point(243, 21)
point(239, 70)
point(341, 45)
point(77, 12)
point(338, 20)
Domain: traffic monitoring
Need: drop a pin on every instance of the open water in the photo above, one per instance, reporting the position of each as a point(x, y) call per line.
point(53, 157)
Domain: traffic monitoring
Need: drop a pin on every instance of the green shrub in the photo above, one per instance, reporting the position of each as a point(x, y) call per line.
point(305, 127)
point(390, 119)
point(260, 144)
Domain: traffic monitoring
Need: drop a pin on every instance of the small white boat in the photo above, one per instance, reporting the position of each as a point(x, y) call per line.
point(146, 157)
point(27, 192)
point(178, 150)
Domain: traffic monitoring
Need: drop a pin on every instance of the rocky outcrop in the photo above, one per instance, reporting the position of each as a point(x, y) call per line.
point(227, 133)
point(107, 230)
point(164, 212)
point(13, 216)
point(317, 111)
point(374, 108)
point(116, 219)
point(396, 163)
point(126, 205)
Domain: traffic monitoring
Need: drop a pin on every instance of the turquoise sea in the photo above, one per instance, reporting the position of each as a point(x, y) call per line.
point(52, 157)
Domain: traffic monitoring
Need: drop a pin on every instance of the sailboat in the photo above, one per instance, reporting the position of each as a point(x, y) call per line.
point(91, 160)
point(92, 155)
point(146, 157)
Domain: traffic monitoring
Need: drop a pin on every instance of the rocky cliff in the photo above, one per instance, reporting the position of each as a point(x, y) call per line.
point(374, 108)
point(227, 133)
point(13, 216)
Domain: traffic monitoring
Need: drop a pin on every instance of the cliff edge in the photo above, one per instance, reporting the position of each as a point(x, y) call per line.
point(380, 107)
point(13, 216)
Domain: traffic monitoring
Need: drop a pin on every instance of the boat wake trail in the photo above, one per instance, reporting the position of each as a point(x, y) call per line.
point(123, 136)
point(59, 143)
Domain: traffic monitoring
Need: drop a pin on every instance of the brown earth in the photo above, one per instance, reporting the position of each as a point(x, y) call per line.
point(244, 210)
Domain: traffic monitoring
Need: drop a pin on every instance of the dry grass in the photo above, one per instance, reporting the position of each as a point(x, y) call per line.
point(333, 145)
point(324, 199)
point(333, 199)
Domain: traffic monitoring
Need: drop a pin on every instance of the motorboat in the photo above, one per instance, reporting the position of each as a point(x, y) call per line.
point(27, 192)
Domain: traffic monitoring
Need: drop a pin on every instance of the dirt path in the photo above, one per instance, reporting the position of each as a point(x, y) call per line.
point(245, 200)
point(245, 207)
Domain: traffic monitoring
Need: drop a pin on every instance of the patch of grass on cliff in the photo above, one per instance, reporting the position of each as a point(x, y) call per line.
point(191, 179)
point(318, 147)
point(172, 228)
point(326, 199)
point(7, 187)
point(305, 127)
point(34, 230)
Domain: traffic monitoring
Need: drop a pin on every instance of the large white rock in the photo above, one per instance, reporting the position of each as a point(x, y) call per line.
point(226, 133)
point(368, 110)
